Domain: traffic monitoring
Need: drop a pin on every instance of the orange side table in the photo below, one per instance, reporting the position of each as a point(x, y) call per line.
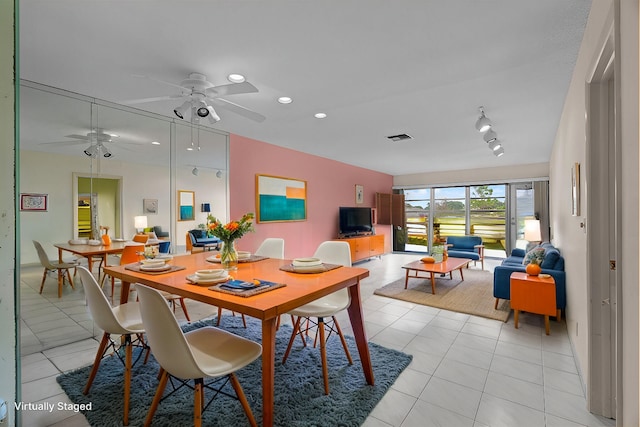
point(533, 294)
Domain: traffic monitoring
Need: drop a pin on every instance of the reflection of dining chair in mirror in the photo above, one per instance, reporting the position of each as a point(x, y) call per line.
point(186, 205)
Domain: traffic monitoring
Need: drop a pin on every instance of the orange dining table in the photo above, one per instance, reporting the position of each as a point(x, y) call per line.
point(300, 289)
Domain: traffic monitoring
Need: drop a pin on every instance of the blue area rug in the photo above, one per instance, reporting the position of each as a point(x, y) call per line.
point(299, 391)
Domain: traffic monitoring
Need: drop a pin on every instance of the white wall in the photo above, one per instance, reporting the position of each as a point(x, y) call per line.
point(52, 174)
point(570, 147)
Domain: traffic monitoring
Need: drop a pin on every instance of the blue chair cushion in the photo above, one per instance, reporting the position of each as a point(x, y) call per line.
point(551, 257)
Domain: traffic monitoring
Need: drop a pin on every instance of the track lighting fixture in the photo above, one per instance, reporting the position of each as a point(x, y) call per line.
point(199, 109)
point(219, 174)
point(483, 124)
point(195, 171)
point(499, 152)
point(495, 144)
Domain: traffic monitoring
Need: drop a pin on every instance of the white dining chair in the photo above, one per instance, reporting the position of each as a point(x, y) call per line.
point(206, 352)
point(272, 247)
point(124, 320)
point(61, 267)
point(330, 252)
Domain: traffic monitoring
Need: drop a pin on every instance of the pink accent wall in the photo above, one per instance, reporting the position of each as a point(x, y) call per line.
point(330, 184)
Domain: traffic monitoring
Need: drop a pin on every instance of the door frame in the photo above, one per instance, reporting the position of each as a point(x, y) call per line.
point(76, 177)
point(602, 178)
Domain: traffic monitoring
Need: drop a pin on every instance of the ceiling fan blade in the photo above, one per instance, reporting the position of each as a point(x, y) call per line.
point(74, 136)
point(239, 109)
point(143, 76)
point(231, 89)
point(154, 99)
point(64, 143)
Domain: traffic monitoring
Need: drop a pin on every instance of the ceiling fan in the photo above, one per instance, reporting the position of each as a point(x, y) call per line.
point(97, 142)
point(200, 95)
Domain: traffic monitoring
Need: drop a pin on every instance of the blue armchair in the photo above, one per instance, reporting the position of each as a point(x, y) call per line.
point(470, 247)
point(198, 239)
point(553, 264)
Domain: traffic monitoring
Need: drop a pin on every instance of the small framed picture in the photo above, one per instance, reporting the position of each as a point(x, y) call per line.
point(359, 194)
point(33, 202)
point(150, 206)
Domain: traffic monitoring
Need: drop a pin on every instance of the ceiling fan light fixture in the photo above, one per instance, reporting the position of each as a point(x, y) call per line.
point(213, 116)
point(179, 111)
point(106, 153)
point(91, 151)
point(236, 78)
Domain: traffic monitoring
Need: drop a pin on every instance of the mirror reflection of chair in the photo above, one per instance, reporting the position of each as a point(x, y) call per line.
point(62, 268)
point(130, 254)
point(272, 247)
point(124, 320)
point(202, 353)
point(330, 252)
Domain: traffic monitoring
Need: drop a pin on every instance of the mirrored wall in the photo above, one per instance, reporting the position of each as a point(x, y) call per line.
point(101, 165)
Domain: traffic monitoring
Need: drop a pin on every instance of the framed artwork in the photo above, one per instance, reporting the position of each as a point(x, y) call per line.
point(280, 199)
point(575, 189)
point(359, 194)
point(150, 206)
point(186, 205)
point(33, 202)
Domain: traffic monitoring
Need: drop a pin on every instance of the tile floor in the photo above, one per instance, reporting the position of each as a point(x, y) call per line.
point(466, 370)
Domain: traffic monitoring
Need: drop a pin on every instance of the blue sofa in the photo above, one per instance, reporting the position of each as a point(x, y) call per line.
point(470, 247)
point(552, 264)
point(198, 239)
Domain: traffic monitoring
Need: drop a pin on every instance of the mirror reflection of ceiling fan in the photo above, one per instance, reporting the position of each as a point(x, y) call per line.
point(201, 95)
point(97, 142)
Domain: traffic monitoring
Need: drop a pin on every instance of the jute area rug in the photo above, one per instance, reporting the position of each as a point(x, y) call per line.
point(473, 295)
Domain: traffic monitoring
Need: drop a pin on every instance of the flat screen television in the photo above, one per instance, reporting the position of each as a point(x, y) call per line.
point(354, 221)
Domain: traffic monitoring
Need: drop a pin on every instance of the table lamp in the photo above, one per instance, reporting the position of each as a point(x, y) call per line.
point(532, 232)
point(140, 223)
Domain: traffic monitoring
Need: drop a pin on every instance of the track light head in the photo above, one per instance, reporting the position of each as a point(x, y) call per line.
point(106, 153)
point(483, 124)
point(219, 174)
point(499, 152)
point(489, 136)
point(179, 111)
point(195, 171)
point(91, 151)
point(495, 145)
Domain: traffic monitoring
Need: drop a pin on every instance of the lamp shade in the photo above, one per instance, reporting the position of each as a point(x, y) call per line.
point(140, 222)
point(532, 230)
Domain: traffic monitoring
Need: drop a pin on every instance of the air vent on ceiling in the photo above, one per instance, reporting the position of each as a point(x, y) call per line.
point(400, 137)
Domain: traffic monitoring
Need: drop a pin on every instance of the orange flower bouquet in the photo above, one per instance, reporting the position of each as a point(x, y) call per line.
point(228, 233)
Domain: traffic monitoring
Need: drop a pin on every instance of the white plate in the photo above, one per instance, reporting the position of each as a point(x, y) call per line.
point(544, 276)
point(306, 262)
point(94, 242)
point(195, 279)
point(213, 258)
point(152, 262)
point(211, 274)
point(244, 255)
point(162, 267)
point(78, 241)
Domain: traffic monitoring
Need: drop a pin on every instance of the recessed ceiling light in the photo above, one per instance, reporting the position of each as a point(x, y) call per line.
point(320, 115)
point(155, 143)
point(236, 78)
point(285, 100)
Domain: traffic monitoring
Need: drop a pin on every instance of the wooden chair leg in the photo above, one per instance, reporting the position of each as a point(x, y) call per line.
point(197, 403)
point(184, 310)
point(495, 306)
point(96, 363)
point(70, 280)
point(344, 342)
point(323, 355)
point(243, 400)
point(296, 326)
point(127, 378)
point(44, 277)
point(164, 377)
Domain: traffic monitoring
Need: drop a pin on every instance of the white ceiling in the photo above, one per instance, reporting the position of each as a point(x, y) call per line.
point(376, 67)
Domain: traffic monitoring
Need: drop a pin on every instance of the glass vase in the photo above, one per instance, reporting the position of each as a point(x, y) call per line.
point(229, 256)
